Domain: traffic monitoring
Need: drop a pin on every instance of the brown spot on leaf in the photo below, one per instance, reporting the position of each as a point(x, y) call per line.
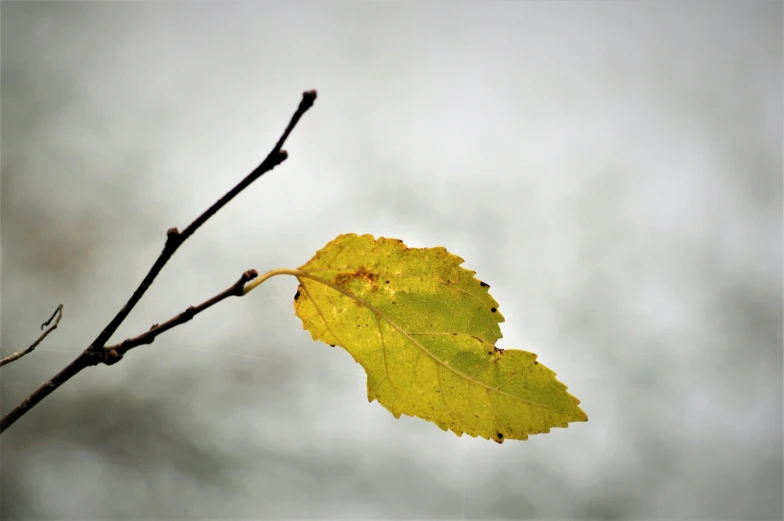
point(493, 309)
point(344, 279)
point(296, 295)
point(483, 284)
point(498, 350)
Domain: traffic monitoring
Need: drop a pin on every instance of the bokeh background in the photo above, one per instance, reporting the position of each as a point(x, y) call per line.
point(612, 170)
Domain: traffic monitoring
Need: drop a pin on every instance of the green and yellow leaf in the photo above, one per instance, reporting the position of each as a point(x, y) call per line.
point(425, 330)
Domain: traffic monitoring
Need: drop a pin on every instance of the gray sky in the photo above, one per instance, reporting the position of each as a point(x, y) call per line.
point(612, 170)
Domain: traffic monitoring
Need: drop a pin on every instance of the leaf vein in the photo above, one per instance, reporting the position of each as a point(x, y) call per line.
point(424, 350)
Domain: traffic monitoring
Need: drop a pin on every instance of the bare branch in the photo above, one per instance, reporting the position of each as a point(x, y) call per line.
point(175, 238)
point(96, 353)
point(116, 352)
point(19, 354)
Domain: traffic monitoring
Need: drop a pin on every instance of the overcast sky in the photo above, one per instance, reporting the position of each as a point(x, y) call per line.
point(612, 170)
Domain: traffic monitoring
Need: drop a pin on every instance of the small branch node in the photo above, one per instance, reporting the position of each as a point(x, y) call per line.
point(173, 240)
point(112, 357)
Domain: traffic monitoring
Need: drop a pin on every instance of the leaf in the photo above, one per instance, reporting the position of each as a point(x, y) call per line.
point(425, 329)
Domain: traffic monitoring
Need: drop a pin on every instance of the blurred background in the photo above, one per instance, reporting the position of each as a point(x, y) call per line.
point(612, 170)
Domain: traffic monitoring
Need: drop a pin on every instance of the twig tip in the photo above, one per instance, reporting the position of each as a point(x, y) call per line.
point(56, 311)
point(308, 97)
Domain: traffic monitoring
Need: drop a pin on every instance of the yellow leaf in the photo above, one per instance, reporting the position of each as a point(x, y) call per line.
point(425, 330)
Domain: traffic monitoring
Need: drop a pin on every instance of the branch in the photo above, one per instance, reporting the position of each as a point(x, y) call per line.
point(116, 352)
point(175, 238)
point(19, 354)
point(95, 353)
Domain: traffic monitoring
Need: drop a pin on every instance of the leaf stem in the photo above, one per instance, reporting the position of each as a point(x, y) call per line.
point(271, 273)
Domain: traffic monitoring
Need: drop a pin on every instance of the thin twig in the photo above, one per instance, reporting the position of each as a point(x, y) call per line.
point(95, 353)
point(19, 354)
point(117, 351)
point(57, 311)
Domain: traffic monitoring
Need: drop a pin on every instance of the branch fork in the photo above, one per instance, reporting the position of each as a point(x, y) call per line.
point(98, 352)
